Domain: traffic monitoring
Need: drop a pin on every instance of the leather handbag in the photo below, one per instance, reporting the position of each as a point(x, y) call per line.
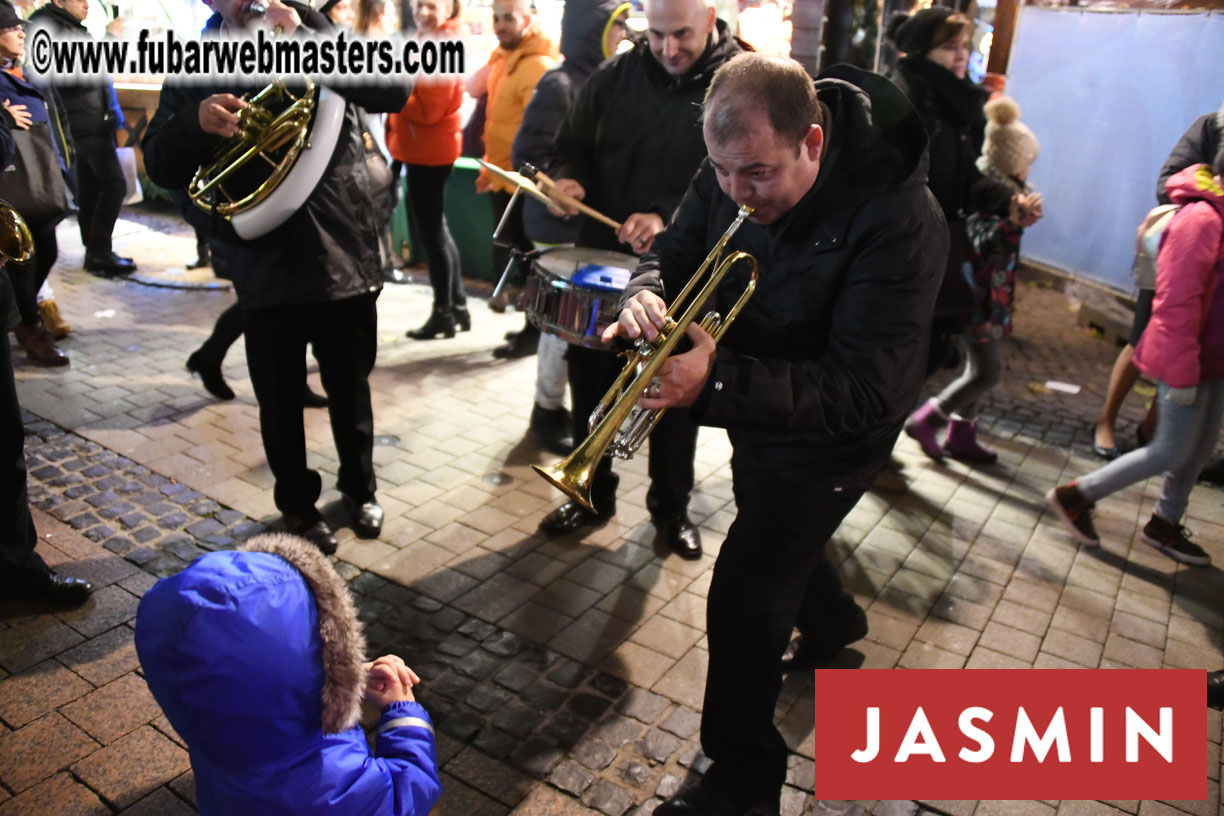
point(379, 174)
point(34, 183)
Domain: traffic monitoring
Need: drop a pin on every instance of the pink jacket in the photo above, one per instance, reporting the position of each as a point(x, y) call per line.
point(1183, 344)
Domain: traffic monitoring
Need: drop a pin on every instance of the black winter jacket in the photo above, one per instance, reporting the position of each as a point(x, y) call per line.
point(633, 139)
point(88, 106)
point(826, 360)
point(1200, 144)
point(328, 249)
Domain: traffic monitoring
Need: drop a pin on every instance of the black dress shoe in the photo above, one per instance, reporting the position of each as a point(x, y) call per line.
point(108, 264)
point(210, 375)
point(696, 802)
point(312, 400)
point(314, 530)
point(47, 587)
point(572, 517)
point(681, 537)
point(392, 275)
point(809, 653)
point(524, 344)
point(1107, 453)
point(367, 517)
point(1215, 689)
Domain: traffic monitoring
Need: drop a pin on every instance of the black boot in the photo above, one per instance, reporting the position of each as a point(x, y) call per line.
point(442, 322)
point(463, 318)
point(203, 256)
point(210, 375)
point(523, 344)
point(553, 428)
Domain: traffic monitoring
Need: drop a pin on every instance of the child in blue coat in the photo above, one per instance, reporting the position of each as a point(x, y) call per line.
point(257, 659)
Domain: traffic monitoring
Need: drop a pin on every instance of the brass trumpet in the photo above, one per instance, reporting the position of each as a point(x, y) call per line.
point(16, 242)
point(573, 474)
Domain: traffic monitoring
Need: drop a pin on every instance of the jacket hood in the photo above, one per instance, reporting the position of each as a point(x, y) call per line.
point(1196, 183)
point(582, 31)
point(875, 139)
point(60, 18)
point(254, 654)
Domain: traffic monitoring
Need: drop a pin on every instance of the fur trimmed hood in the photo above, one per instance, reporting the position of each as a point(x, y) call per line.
point(254, 655)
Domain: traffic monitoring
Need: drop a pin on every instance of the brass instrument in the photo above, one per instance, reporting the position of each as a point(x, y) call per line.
point(16, 242)
point(573, 474)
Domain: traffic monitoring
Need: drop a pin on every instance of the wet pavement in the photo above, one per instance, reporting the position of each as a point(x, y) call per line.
point(564, 676)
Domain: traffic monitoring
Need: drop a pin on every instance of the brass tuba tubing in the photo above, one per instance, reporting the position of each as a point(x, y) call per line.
point(16, 241)
point(573, 474)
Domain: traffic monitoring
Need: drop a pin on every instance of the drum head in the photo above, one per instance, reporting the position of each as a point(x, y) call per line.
point(563, 262)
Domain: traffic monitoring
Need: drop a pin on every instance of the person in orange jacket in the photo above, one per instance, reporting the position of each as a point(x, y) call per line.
point(509, 79)
point(426, 136)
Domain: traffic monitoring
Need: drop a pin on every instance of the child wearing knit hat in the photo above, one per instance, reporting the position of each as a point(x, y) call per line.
point(1004, 206)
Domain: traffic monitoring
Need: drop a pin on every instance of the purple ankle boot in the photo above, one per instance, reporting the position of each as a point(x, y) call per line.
point(923, 425)
point(962, 443)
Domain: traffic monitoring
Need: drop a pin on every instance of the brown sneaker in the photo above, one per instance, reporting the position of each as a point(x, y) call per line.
point(1076, 512)
point(1171, 539)
point(53, 320)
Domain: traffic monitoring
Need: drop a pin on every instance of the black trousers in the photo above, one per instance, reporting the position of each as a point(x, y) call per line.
point(672, 444)
point(17, 536)
point(343, 335)
point(225, 333)
point(772, 574)
point(100, 190)
point(427, 196)
point(28, 277)
point(514, 233)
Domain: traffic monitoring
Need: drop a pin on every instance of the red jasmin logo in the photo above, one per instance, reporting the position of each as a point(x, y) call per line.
point(1025, 734)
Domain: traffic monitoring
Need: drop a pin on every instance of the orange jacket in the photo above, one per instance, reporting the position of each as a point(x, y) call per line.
point(429, 130)
point(512, 79)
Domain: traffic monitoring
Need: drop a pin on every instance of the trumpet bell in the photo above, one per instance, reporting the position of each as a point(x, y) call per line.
point(572, 480)
point(16, 242)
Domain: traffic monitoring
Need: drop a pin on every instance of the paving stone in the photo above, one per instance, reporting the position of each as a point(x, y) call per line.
point(108, 607)
point(517, 719)
point(594, 754)
point(588, 706)
point(571, 778)
point(496, 779)
point(608, 798)
point(668, 786)
point(160, 803)
point(459, 799)
point(483, 698)
point(504, 644)
point(682, 722)
point(130, 768)
point(478, 664)
point(643, 705)
point(30, 642)
point(462, 725)
point(636, 774)
point(569, 674)
point(115, 709)
point(37, 750)
point(515, 677)
point(566, 729)
point(38, 690)
point(610, 685)
point(618, 731)
point(537, 757)
point(658, 745)
point(496, 743)
point(544, 696)
point(105, 657)
point(60, 795)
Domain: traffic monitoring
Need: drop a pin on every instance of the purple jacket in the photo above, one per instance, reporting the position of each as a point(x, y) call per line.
point(1183, 344)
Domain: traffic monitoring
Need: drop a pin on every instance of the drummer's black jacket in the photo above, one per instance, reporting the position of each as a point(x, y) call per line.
point(328, 249)
point(826, 360)
point(632, 138)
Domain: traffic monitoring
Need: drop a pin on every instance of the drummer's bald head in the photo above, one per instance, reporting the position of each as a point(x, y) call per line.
point(754, 83)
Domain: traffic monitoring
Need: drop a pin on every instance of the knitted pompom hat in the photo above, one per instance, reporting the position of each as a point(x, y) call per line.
point(1010, 146)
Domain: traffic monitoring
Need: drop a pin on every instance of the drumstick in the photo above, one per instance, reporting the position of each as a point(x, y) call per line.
point(527, 185)
point(550, 189)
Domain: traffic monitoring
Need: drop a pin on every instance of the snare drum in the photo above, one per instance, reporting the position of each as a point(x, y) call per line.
point(572, 292)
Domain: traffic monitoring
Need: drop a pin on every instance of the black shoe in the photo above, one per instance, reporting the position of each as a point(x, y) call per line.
point(681, 536)
point(809, 653)
point(553, 428)
point(524, 344)
point(696, 802)
point(572, 517)
point(463, 318)
point(1215, 689)
point(392, 275)
point(440, 322)
point(312, 400)
point(108, 264)
point(367, 517)
point(314, 529)
point(47, 587)
point(1213, 473)
point(510, 335)
point(210, 375)
point(203, 256)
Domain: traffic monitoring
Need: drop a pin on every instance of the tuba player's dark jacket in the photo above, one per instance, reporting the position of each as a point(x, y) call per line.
point(824, 363)
point(328, 249)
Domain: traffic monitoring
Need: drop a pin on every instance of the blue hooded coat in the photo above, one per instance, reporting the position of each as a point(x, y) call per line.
point(256, 657)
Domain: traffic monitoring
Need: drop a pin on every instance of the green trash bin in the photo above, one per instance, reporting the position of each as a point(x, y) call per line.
point(469, 216)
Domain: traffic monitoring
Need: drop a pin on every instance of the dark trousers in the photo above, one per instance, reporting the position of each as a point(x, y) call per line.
point(772, 574)
point(17, 536)
point(343, 335)
point(672, 444)
point(100, 190)
point(427, 196)
point(514, 233)
point(225, 333)
point(28, 277)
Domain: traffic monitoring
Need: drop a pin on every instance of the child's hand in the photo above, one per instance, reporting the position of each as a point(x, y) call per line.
point(390, 681)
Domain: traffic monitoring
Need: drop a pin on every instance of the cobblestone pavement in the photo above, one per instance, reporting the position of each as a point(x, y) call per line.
point(565, 677)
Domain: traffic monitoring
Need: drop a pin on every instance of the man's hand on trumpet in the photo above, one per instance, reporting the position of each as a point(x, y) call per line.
point(274, 15)
point(219, 114)
point(682, 376)
point(639, 231)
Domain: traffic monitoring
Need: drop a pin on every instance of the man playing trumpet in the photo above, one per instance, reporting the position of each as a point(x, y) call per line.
point(813, 380)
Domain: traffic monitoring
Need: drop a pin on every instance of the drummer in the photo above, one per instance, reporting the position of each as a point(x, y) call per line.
point(629, 145)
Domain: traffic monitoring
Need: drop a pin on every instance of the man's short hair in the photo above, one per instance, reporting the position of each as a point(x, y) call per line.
point(777, 86)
